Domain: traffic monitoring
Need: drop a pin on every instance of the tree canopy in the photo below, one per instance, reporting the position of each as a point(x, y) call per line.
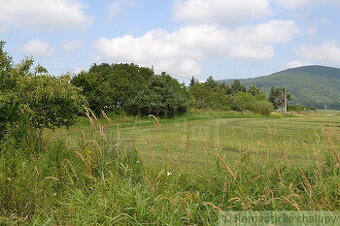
point(134, 89)
point(30, 95)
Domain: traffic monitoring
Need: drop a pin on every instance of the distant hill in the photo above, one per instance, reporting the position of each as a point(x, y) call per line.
point(309, 85)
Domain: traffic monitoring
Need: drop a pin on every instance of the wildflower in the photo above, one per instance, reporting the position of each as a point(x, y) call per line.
point(16, 126)
point(169, 173)
point(137, 162)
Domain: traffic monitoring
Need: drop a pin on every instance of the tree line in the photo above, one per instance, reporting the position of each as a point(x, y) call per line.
point(30, 95)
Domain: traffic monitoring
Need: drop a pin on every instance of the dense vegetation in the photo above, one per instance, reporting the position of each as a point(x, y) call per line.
point(31, 98)
point(312, 86)
point(132, 89)
point(139, 91)
point(163, 176)
point(221, 96)
point(59, 168)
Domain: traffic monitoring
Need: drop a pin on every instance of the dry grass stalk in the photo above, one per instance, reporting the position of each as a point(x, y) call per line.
point(149, 183)
point(284, 153)
point(80, 156)
point(257, 177)
point(141, 156)
point(166, 198)
point(226, 167)
point(93, 115)
point(98, 146)
point(36, 170)
point(214, 206)
point(280, 176)
point(87, 113)
point(101, 132)
point(294, 204)
point(52, 178)
point(225, 183)
point(105, 116)
point(72, 168)
point(156, 120)
point(148, 148)
point(308, 185)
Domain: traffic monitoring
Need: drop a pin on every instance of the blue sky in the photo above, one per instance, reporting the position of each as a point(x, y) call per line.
point(222, 38)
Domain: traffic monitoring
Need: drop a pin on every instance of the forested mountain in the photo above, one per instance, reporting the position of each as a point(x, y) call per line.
point(309, 85)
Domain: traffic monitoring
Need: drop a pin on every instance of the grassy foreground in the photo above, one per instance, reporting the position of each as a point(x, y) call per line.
point(180, 171)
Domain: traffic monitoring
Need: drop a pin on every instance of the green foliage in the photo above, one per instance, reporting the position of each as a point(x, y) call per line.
point(242, 101)
point(163, 96)
point(36, 98)
point(253, 90)
point(277, 97)
point(193, 81)
point(134, 89)
point(219, 96)
point(236, 87)
point(209, 96)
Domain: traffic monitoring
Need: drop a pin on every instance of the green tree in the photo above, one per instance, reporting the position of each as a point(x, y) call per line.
point(31, 97)
point(193, 81)
point(163, 96)
point(210, 95)
point(236, 87)
point(134, 89)
point(211, 83)
point(253, 90)
point(277, 97)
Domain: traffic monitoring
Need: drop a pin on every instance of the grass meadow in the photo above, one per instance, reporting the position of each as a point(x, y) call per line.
point(120, 170)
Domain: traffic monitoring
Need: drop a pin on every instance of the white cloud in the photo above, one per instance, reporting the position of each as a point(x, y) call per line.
point(119, 7)
point(326, 53)
point(38, 48)
point(72, 45)
point(229, 12)
point(47, 15)
point(295, 64)
point(301, 3)
point(181, 51)
point(256, 42)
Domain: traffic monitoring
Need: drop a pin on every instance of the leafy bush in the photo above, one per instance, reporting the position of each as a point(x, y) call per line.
point(242, 101)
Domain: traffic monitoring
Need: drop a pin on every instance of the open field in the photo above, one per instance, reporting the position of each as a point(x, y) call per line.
point(201, 135)
point(186, 170)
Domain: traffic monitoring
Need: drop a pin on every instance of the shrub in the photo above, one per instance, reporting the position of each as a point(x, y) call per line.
point(242, 101)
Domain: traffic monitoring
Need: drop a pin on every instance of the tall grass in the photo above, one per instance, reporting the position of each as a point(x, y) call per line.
point(106, 180)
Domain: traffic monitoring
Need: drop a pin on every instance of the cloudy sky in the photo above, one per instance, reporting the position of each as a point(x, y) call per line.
point(222, 38)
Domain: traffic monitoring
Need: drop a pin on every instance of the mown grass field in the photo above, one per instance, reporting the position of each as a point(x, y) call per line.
point(193, 141)
point(187, 170)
